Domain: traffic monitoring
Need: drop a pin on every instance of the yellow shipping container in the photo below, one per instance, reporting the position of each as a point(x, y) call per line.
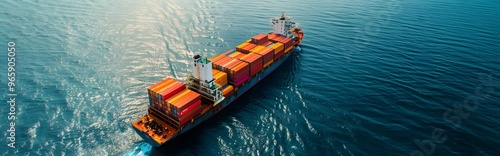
point(242, 45)
point(235, 54)
point(257, 49)
point(289, 49)
point(227, 91)
point(177, 96)
point(248, 41)
point(268, 63)
point(277, 47)
point(221, 78)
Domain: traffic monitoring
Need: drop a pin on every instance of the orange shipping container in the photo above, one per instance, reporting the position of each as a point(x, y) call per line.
point(239, 70)
point(218, 64)
point(272, 36)
point(215, 71)
point(227, 91)
point(162, 81)
point(230, 64)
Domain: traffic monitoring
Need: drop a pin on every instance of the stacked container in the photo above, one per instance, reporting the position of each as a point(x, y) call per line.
point(255, 62)
point(164, 90)
point(221, 61)
point(168, 92)
point(260, 39)
point(229, 64)
point(278, 50)
point(220, 77)
point(288, 42)
point(150, 89)
point(154, 90)
point(266, 53)
point(185, 105)
point(245, 47)
point(237, 55)
point(272, 36)
point(240, 73)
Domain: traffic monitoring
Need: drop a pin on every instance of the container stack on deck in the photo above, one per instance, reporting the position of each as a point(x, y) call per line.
point(173, 99)
point(255, 61)
point(184, 105)
point(248, 59)
point(266, 53)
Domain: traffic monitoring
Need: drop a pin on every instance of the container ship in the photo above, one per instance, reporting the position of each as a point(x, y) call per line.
point(175, 107)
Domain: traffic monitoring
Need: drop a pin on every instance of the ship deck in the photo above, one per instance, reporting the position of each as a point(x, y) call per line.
point(159, 131)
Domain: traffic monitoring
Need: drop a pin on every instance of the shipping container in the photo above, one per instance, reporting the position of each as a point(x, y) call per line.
point(240, 73)
point(227, 67)
point(179, 102)
point(259, 39)
point(287, 50)
point(166, 94)
point(217, 57)
point(221, 78)
point(215, 71)
point(153, 93)
point(218, 64)
point(185, 119)
point(287, 42)
point(241, 46)
point(236, 54)
point(189, 109)
point(272, 36)
point(268, 63)
point(266, 43)
point(227, 90)
point(278, 47)
point(246, 49)
point(255, 61)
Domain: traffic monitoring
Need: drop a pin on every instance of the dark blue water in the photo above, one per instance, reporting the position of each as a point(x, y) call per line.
point(373, 77)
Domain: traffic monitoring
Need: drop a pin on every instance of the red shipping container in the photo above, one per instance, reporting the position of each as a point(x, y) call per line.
point(247, 48)
point(189, 108)
point(272, 36)
point(241, 80)
point(255, 69)
point(266, 43)
point(260, 38)
point(278, 55)
point(188, 118)
point(174, 89)
point(240, 69)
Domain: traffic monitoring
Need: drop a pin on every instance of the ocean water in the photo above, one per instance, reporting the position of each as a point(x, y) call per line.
point(373, 77)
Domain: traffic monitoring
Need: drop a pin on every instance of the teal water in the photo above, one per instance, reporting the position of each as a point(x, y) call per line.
point(373, 77)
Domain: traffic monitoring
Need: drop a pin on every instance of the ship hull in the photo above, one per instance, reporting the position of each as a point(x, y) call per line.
point(228, 100)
